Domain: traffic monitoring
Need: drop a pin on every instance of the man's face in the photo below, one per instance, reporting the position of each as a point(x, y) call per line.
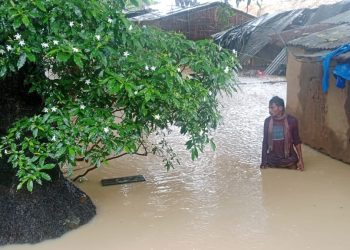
point(275, 110)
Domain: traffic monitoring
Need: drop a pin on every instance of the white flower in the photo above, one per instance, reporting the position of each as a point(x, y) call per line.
point(130, 27)
point(81, 25)
point(18, 36)
point(82, 106)
point(110, 20)
point(9, 48)
point(53, 138)
point(45, 110)
point(210, 93)
point(157, 117)
point(106, 130)
point(226, 70)
point(87, 81)
point(71, 23)
point(126, 54)
point(54, 109)
point(21, 43)
point(44, 45)
point(55, 42)
point(220, 48)
point(234, 52)
point(146, 67)
point(2, 51)
point(75, 50)
point(6, 152)
point(98, 37)
point(178, 70)
point(153, 68)
point(136, 92)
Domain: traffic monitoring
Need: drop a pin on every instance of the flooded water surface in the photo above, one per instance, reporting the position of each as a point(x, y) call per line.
point(221, 201)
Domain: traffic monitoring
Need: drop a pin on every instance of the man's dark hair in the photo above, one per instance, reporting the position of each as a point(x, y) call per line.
point(278, 101)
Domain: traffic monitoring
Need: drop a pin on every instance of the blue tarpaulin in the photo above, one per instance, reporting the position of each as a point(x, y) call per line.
point(341, 71)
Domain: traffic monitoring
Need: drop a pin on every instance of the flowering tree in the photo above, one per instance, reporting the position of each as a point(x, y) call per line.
point(79, 82)
point(104, 85)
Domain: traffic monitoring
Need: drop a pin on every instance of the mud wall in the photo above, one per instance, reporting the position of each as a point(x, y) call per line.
point(324, 118)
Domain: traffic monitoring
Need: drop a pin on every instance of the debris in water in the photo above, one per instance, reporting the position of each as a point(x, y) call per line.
point(122, 180)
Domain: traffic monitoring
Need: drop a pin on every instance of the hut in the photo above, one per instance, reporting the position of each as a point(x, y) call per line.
point(260, 43)
point(324, 117)
point(197, 22)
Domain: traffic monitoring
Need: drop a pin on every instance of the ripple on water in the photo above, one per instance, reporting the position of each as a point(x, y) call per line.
point(226, 177)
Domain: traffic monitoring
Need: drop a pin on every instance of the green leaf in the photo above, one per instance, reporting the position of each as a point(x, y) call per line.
point(78, 61)
point(60, 152)
point(112, 87)
point(212, 145)
point(148, 95)
point(42, 161)
point(30, 185)
point(12, 68)
point(25, 20)
point(35, 132)
point(135, 2)
point(24, 146)
point(48, 166)
point(31, 57)
point(184, 60)
point(17, 23)
point(3, 71)
point(21, 61)
point(103, 59)
point(66, 122)
point(71, 152)
point(45, 176)
point(55, 26)
point(19, 186)
point(189, 144)
point(40, 5)
point(194, 154)
point(62, 56)
point(34, 159)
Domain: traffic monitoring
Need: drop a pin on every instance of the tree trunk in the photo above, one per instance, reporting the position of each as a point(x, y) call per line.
point(51, 209)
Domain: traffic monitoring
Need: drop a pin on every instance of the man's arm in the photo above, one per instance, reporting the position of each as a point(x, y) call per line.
point(300, 164)
point(264, 146)
point(297, 145)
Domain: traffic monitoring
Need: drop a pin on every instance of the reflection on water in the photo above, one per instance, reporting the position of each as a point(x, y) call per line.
point(222, 200)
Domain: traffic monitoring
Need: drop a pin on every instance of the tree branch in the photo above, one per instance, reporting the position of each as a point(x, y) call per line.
point(85, 173)
point(89, 150)
point(111, 158)
point(116, 156)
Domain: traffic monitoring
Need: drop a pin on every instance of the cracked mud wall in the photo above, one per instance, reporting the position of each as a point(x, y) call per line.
point(324, 118)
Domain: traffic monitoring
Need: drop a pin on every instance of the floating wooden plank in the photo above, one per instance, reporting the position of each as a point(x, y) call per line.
point(122, 180)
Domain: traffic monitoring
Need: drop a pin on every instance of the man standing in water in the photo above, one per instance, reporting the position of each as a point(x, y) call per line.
point(281, 144)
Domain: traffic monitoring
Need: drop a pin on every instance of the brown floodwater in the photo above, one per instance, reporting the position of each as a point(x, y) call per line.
point(221, 201)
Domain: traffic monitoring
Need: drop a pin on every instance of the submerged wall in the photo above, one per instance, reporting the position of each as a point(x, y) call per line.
point(324, 118)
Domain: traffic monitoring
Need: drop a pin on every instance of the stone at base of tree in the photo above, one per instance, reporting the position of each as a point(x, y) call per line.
point(46, 213)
